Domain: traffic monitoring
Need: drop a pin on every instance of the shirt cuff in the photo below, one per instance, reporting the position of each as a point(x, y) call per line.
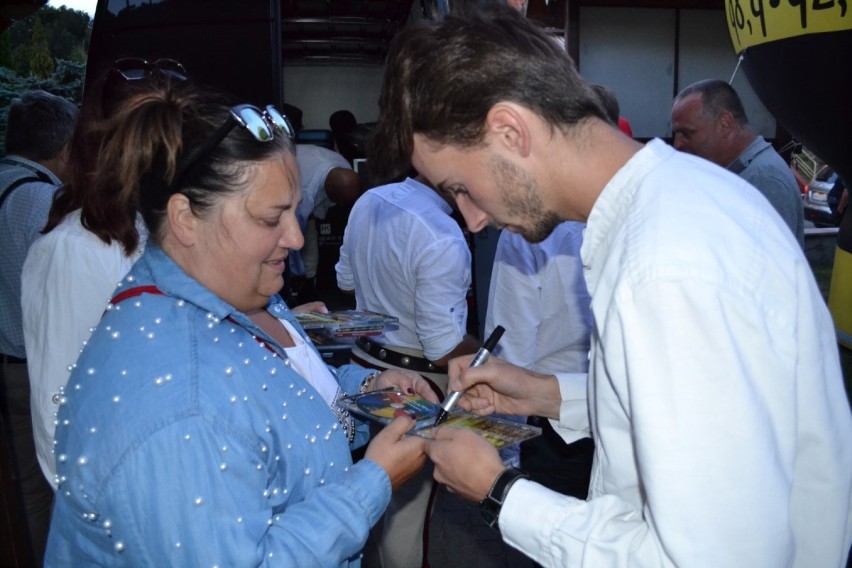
point(573, 421)
point(371, 486)
point(528, 517)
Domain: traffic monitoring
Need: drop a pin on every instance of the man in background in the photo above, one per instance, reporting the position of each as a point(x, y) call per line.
point(538, 295)
point(404, 255)
point(327, 180)
point(613, 108)
point(39, 128)
point(708, 120)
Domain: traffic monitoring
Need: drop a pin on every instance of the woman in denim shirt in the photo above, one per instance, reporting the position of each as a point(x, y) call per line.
point(200, 426)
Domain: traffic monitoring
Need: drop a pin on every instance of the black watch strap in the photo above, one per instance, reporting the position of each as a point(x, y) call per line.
point(493, 502)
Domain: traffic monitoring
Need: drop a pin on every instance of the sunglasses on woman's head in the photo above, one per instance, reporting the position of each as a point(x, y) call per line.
point(263, 125)
point(136, 69)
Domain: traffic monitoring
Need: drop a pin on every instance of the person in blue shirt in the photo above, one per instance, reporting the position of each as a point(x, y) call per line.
point(200, 427)
point(38, 134)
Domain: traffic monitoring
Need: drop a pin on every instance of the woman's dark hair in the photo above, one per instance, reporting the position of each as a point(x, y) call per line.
point(381, 169)
point(100, 213)
point(442, 79)
point(133, 156)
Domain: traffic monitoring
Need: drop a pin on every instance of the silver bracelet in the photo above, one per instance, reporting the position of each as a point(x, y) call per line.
point(368, 381)
point(343, 416)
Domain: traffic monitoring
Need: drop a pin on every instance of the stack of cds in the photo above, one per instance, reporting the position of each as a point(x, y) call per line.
point(345, 323)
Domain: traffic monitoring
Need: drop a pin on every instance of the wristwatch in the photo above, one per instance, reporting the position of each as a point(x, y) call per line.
point(493, 502)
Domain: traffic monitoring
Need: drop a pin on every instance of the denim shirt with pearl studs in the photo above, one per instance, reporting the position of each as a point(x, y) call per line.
point(183, 441)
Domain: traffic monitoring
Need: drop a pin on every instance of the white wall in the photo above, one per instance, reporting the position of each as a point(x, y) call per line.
point(321, 90)
point(632, 51)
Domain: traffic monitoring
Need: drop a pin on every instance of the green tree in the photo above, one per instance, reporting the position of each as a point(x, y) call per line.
point(40, 61)
point(66, 31)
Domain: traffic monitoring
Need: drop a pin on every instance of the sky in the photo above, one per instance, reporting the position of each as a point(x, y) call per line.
point(87, 6)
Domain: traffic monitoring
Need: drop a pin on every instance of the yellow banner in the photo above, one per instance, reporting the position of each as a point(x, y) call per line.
point(752, 22)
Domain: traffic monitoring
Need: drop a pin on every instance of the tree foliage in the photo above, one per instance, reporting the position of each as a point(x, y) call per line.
point(47, 51)
point(39, 59)
point(66, 32)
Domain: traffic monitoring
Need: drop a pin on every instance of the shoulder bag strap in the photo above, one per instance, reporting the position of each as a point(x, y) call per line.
point(31, 175)
point(15, 185)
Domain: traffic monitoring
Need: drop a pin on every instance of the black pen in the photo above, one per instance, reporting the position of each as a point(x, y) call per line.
point(480, 358)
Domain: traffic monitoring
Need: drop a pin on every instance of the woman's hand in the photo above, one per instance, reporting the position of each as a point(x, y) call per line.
point(405, 381)
point(399, 455)
point(319, 307)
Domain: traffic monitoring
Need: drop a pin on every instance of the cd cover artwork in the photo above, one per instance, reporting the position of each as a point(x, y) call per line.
point(381, 405)
point(501, 433)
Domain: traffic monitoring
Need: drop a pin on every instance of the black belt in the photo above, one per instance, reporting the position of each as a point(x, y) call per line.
point(395, 358)
point(13, 360)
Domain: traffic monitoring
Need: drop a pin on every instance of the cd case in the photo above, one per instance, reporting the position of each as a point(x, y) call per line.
point(345, 323)
point(380, 406)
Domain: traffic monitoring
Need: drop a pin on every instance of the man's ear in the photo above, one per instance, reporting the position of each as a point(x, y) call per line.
point(182, 221)
point(65, 152)
point(507, 125)
point(726, 123)
point(60, 164)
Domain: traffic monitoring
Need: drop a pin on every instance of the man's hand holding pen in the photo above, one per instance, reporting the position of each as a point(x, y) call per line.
point(479, 359)
point(499, 386)
point(464, 461)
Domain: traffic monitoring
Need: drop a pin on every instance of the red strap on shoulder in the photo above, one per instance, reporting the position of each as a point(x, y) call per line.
point(133, 292)
point(151, 289)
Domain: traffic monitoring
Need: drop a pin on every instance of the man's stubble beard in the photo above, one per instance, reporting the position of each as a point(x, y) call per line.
point(522, 197)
